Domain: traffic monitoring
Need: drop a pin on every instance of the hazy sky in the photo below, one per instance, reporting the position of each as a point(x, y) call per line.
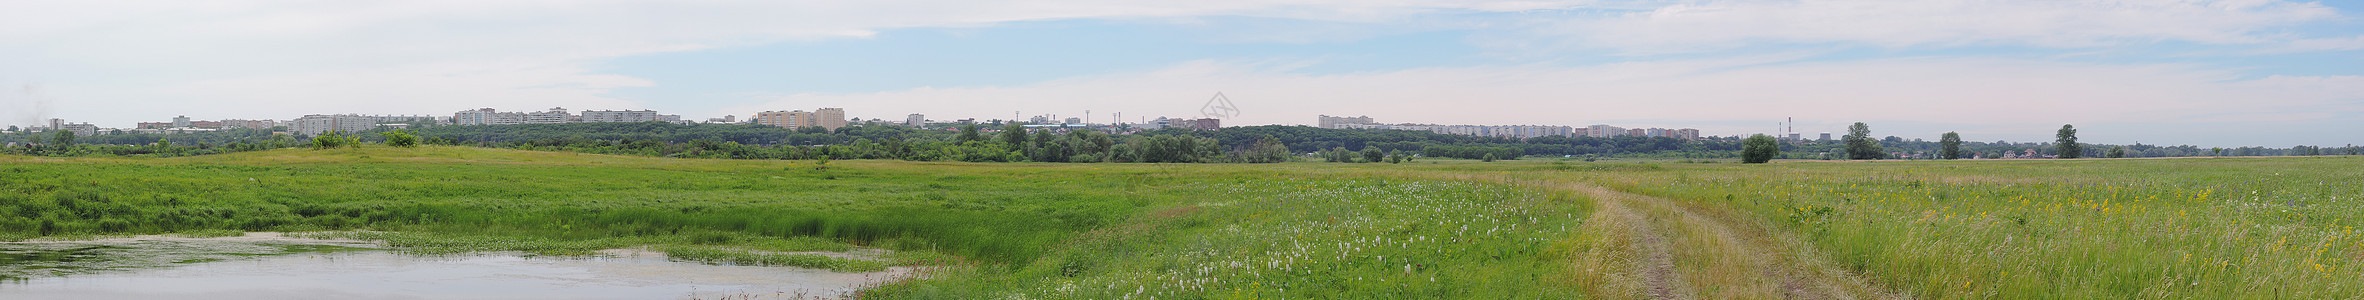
point(2209, 73)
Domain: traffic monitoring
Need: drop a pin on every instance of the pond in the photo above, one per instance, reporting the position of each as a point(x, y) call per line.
point(268, 268)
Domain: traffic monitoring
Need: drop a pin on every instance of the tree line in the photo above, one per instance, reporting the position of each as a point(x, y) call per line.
point(1858, 144)
point(983, 143)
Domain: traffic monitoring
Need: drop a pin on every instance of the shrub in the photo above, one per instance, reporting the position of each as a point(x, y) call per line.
point(1758, 149)
point(400, 138)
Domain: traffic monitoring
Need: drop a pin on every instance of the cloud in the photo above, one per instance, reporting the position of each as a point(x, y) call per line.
point(2324, 44)
point(1988, 97)
point(1720, 25)
point(110, 61)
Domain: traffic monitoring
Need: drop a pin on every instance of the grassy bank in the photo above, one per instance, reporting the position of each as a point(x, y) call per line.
point(1027, 229)
point(996, 213)
point(1441, 228)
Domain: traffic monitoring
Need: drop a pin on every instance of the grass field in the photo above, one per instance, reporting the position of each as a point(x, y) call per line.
point(2154, 228)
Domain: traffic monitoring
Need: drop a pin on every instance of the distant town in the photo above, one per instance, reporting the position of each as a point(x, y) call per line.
point(826, 118)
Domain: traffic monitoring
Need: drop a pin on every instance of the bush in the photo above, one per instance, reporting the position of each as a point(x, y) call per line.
point(1758, 149)
point(400, 138)
point(334, 139)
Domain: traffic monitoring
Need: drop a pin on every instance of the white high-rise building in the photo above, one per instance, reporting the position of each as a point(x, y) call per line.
point(1604, 131)
point(608, 116)
point(317, 124)
point(487, 116)
point(553, 116)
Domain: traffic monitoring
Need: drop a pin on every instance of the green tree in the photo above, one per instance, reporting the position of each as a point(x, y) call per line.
point(1860, 144)
point(63, 138)
point(1395, 156)
point(1949, 146)
point(1489, 157)
point(1267, 150)
point(1013, 135)
point(2118, 152)
point(2067, 140)
point(1043, 146)
point(12, 128)
point(1372, 154)
point(1758, 149)
point(968, 133)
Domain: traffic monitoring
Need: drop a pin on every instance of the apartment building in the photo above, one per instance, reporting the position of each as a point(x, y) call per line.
point(487, 116)
point(553, 116)
point(1605, 131)
point(249, 124)
point(1327, 121)
point(830, 118)
point(317, 124)
point(620, 116)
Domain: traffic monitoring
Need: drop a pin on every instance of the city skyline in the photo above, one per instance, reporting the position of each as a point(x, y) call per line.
point(2208, 73)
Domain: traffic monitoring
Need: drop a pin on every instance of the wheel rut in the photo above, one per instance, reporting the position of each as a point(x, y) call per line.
point(1655, 264)
point(1685, 250)
point(1692, 251)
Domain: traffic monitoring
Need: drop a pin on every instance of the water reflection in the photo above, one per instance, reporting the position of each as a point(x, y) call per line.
point(378, 274)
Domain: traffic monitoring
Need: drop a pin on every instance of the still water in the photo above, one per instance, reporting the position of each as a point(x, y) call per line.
point(378, 274)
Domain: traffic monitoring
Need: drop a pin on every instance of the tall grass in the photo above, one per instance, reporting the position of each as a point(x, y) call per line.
point(2207, 228)
point(1304, 238)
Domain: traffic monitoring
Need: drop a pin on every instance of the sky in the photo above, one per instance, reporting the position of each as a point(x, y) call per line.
point(2198, 72)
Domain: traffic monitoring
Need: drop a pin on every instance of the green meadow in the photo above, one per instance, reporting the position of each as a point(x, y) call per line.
point(1430, 228)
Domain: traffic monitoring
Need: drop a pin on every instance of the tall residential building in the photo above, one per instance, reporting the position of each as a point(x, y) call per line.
point(785, 119)
point(1606, 131)
point(205, 124)
point(249, 124)
point(180, 122)
point(1826, 136)
point(79, 129)
point(487, 116)
point(610, 116)
point(317, 124)
point(1510, 131)
point(553, 116)
point(829, 117)
point(915, 120)
point(1327, 121)
point(1686, 133)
